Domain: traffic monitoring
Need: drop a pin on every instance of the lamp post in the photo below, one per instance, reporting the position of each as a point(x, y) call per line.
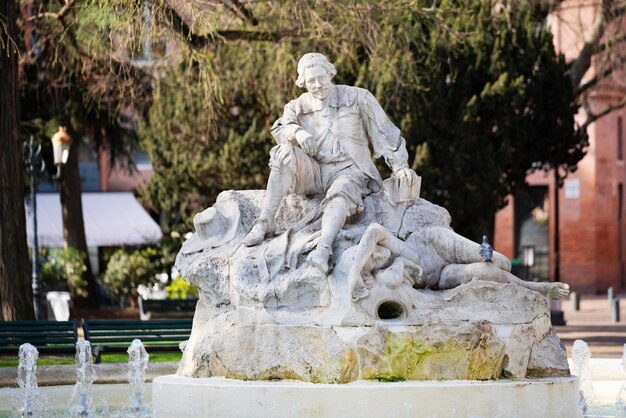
point(35, 166)
point(61, 143)
point(556, 313)
point(528, 259)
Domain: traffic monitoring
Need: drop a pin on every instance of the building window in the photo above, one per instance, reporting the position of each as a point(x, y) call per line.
point(620, 140)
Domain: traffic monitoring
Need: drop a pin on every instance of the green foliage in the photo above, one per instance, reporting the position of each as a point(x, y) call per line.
point(179, 289)
point(498, 106)
point(56, 360)
point(476, 87)
point(63, 269)
point(192, 164)
point(127, 269)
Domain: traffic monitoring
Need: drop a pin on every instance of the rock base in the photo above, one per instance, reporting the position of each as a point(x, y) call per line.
point(444, 342)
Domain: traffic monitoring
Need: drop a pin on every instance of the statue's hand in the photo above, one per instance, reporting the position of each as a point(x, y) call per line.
point(306, 142)
point(406, 173)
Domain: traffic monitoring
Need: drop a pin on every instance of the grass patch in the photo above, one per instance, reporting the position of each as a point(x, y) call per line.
point(47, 360)
point(158, 357)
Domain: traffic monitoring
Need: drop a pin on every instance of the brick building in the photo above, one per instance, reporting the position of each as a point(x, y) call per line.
point(591, 203)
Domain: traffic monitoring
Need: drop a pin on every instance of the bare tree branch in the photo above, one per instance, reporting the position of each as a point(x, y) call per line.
point(244, 12)
point(592, 117)
point(580, 66)
point(231, 35)
point(59, 15)
point(600, 76)
point(242, 35)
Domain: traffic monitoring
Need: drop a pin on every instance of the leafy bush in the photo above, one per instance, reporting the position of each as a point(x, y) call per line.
point(127, 269)
point(179, 289)
point(63, 269)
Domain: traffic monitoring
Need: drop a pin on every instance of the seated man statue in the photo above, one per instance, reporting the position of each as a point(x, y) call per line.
point(323, 142)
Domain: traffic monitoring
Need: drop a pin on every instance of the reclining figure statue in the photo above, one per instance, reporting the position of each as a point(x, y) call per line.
point(436, 258)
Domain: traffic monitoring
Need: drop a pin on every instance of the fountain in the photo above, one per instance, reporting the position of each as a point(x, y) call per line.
point(28, 393)
point(137, 365)
point(620, 403)
point(81, 403)
point(27, 381)
point(580, 357)
point(357, 298)
point(27, 400)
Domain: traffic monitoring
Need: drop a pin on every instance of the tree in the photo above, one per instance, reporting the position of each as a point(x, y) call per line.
point(480, 108)
point(62, 85)
point(15, 290)
point(477, 87)
point(498, 105)
point(602, 51)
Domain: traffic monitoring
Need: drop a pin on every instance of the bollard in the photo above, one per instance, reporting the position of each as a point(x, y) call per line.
point(574, 301)
point(615, 310)
point(610, 293)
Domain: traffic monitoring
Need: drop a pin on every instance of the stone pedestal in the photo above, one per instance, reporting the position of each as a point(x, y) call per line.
point(219, 397)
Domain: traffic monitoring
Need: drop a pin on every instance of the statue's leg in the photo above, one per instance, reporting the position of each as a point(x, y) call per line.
point(372, 236)
point(335, 214)
point(454, 275)
point(456, 249)
point(394, 275)
point(344, 184)
point(285, 161)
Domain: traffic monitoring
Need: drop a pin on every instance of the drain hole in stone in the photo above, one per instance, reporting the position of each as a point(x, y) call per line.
point(390, 310)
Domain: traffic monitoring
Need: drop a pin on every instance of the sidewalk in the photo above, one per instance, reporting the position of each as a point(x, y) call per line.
point(593, 324)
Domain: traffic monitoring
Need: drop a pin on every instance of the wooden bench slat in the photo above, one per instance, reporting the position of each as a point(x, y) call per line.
point(40, 333)
point(46, 336)
point(116, 336)
point(128, 340)
point(33, 322)
point(143, 338)
point(169, 302)
point(41, 349)
point(4, 330)
point(149, 348)
point(113, 328)
point(103, 333)
point(37, 341)
point(94, 322)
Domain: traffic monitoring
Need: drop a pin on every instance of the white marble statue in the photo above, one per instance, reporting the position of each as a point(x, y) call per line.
point(323, 141)
point(334, 275)
point(441, 258)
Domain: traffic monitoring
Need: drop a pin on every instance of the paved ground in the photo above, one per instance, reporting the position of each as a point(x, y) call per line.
point(593, 323)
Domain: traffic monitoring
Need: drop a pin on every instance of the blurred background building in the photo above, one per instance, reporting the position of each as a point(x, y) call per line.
point(591, 200)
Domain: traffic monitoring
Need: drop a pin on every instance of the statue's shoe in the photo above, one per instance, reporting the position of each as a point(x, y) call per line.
point(319, 258)
point(257, 234)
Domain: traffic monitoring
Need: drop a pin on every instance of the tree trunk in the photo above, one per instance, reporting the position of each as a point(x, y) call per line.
point(72, 210)
point(15, 289)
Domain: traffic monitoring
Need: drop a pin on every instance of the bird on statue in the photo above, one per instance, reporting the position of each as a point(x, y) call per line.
point(485, 250)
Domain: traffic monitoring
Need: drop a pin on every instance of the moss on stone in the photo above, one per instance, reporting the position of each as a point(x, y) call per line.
point(408, 357)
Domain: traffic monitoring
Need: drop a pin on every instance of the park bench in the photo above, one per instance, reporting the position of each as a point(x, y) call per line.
point(46, 336)
point(117, 335)
point(166, 308)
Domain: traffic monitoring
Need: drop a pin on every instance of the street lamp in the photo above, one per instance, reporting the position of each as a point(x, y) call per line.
point(61, 143)
point(35, 166)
